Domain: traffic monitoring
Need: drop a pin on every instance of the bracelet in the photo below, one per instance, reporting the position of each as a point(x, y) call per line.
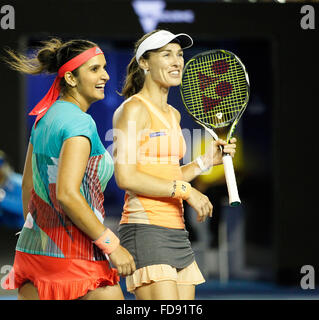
point(174, 189)
point(181, 190)
point(201, 165)
point(107, 242)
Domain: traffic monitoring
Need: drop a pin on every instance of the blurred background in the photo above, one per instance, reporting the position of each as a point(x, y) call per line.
point(255, 251)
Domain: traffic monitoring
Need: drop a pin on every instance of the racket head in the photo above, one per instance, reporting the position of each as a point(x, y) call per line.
point(215, 88)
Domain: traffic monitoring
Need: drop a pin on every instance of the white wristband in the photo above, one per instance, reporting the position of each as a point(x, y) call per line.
point(201, 165)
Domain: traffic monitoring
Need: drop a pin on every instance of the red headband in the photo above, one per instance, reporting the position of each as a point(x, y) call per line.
point(52, 95)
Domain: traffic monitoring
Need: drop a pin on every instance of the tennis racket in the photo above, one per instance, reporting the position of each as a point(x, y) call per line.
point(215, 92)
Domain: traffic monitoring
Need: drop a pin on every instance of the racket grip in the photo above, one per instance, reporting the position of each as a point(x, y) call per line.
point(234, 200)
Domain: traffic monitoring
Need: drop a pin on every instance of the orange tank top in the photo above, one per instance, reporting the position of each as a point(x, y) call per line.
point(160, 149)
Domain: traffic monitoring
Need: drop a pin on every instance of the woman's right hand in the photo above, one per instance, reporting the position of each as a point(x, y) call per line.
point(123, 261)
point(201, 204)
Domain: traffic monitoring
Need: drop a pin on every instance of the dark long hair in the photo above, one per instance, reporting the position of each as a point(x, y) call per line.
point(135, 76)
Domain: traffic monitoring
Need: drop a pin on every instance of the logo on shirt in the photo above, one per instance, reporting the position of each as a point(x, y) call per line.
point(157, 134)
point(107, 240)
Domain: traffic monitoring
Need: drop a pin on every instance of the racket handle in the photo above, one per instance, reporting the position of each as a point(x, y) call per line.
point(234, 200)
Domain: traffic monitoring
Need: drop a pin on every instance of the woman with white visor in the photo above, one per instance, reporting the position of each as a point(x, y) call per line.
point(148, 145)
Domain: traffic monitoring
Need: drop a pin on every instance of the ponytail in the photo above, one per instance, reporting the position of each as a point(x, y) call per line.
point(48, 58)
point(45, 60)
point(135, 76)
point(134, 80)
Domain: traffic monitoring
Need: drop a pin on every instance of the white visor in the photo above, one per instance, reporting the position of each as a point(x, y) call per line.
point(160, 39)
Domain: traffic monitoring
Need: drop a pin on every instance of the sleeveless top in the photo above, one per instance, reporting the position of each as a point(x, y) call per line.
point(160, 149)
point(48, 230)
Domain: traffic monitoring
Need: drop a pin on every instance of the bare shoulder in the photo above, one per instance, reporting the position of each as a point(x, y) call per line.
point(176, 113)
point(131, 110)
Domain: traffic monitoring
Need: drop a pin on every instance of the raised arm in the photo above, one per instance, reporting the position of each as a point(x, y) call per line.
point(212, 157)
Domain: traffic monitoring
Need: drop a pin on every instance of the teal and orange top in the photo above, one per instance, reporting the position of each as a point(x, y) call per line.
point(47, 229)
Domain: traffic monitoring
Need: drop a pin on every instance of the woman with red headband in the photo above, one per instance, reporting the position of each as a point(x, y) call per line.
point(64, 247)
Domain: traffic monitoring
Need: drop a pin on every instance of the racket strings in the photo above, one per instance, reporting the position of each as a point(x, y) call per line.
point(218, 95)
point(219, 105)
point(215, 88)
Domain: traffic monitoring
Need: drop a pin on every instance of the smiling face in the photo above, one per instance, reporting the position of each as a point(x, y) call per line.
point(91, 79)
point(165, 65)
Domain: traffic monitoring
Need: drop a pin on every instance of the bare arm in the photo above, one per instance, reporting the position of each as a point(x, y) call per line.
point(190, 170)
point(72, 165)
point(27, 183)
point(127, 176)
point(128, 116)
point(212, 157)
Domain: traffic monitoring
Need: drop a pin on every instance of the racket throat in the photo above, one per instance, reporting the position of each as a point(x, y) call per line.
point(211, 132)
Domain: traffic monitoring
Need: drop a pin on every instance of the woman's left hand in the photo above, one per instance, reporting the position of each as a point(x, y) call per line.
point(214, 155)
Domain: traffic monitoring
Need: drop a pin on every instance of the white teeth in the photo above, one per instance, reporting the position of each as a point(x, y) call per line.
point(175, 73)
